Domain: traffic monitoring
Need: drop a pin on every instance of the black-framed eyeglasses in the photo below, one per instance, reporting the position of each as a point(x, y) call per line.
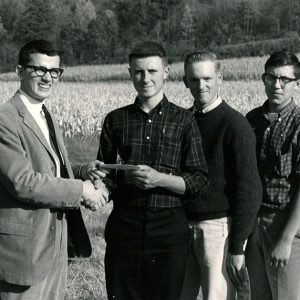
point(270, 78)
point(41, 71)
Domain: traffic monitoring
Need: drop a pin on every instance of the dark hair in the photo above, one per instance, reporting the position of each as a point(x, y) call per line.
point(147, 49)
point(284, 58)
point(36, 46)
point(202, 55)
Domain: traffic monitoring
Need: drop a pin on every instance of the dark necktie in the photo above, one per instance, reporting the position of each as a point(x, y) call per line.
point(53, 140)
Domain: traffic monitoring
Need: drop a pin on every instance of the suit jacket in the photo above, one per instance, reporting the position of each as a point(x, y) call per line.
point(31, 196)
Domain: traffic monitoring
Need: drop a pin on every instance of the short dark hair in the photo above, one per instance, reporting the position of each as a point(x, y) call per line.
point(202, 55)
point(147, 49)
point(284, 58)
point(36, 46)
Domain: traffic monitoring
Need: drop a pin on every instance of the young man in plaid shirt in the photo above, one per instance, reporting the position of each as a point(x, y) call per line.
point(147, 234)
point(273, 251)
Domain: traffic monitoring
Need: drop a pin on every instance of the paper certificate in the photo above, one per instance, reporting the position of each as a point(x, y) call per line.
point(123, 167)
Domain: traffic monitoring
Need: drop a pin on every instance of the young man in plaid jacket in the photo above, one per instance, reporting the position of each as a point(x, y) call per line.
point(273, 251)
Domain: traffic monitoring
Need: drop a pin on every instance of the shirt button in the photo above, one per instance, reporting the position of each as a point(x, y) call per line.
point(148, 137)
point(52, 228)
point(268, 129)
point(160, 112)
point(279, 120)
point(149, 121)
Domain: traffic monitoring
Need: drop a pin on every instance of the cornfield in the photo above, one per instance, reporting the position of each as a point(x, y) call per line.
point(81, 107)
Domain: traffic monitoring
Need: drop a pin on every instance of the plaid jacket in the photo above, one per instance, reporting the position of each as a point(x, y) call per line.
point(167, 139)
point(278, 153)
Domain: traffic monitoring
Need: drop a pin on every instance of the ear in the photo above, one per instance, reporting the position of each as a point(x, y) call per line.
point(263, 77)
point(19, 71)
point(166, 72)
point(297, 84)
point(185, 82)
point(129, 70)
point(220, 77)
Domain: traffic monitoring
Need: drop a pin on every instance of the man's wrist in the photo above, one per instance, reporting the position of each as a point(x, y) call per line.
point(162, 179)
point(80, 172)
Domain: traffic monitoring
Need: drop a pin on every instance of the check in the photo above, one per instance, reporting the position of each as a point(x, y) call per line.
point(123, 167)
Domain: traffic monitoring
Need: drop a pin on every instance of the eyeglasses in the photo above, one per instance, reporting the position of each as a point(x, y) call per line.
point(269, 78)
point(41, 71)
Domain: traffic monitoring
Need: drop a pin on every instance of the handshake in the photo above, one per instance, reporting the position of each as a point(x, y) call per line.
point(95, 194)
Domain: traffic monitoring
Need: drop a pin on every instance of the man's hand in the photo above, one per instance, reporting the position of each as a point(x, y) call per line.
point(146, 177)
point(234, 263)
point(94, 197)
point(92, 170)
point(279, 253)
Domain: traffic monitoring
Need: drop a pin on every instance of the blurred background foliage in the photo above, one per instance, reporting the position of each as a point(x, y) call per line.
point(103, 31)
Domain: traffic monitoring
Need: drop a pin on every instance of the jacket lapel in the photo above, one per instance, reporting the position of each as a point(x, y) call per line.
point(30, 122)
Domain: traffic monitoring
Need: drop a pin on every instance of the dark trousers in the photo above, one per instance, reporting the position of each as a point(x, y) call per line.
point(146, 253)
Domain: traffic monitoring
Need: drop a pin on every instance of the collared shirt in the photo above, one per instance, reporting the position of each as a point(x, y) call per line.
point(210, 107)
point(35, 109)
point(166, 139)
point(278, 153)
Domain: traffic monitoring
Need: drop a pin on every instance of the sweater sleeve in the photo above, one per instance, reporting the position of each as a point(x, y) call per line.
point(247, 185)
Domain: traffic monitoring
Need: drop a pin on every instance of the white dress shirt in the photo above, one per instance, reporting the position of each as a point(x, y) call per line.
point(35, 109)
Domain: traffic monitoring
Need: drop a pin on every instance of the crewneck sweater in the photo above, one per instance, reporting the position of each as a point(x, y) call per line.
point(235, 188)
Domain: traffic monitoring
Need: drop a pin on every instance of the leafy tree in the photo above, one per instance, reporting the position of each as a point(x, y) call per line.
point(100, 40)
point(38, 21)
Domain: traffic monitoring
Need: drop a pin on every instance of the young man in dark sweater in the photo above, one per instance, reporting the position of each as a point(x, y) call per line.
point(224, 217)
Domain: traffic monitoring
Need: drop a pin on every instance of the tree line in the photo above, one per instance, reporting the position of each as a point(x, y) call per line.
point(103, 31)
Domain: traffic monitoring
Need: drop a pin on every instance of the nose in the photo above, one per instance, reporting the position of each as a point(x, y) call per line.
point(201, 84)
point(47, 76)
point(146, 76)
point(277, 83)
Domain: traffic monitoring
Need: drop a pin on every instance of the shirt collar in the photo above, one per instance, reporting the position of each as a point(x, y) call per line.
point(210, 107)
point(284, 112)
point(160, 107)
point(34, 106)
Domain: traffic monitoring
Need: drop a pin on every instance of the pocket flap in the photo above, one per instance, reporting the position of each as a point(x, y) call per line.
point(15, 228)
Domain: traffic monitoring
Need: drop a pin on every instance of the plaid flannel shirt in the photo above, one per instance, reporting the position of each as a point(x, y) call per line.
point(167, 139)
point(278, 153)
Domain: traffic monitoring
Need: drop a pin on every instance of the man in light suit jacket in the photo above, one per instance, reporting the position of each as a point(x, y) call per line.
point(39, 197)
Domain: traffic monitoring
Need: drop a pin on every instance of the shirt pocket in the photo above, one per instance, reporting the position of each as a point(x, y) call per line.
point(281, 150)
point(169, 147)
point(283, 164)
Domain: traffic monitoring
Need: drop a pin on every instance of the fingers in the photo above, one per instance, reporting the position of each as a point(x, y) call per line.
point(233, 275)
point(94, 196)
point(93, 170)
point(98, 184)
point(275, 263)
point(100, 169)
point(142, 183)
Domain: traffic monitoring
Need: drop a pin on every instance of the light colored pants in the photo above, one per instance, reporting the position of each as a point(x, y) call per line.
point(268, 283)
point(206, 266)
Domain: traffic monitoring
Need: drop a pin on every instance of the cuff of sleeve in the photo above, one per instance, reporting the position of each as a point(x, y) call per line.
point(236, 247)
point(194, 184)
point(77, 170)
point(75, 193)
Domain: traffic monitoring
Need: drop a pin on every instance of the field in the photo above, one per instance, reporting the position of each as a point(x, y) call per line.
point(80, 108)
